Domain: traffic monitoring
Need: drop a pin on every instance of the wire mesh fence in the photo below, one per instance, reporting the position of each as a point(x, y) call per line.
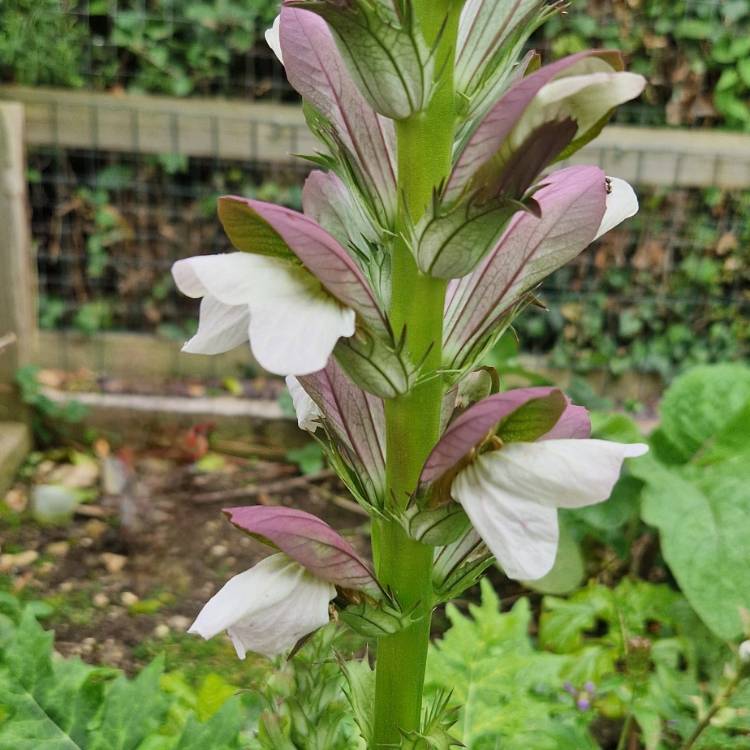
point(120, 190)
point(669, 286)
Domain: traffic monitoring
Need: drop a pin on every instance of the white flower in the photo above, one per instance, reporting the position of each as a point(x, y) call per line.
point(512, 494)
point(292, 323)
point(268, 608)
point(307, 411)
point(272, 38)
point(621, 204)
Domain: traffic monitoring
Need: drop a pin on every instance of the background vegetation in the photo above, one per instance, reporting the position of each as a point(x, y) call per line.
point(666, 291)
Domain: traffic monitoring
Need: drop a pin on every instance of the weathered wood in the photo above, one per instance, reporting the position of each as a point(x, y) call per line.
point(134, 355)
point(142, 419)
point(215, 128)
point(17, 264)
point(265, 132)
point(15, 443)
point(669, 157)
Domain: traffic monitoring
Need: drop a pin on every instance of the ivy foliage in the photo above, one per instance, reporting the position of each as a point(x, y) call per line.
point(667, 291)
point(694, 53)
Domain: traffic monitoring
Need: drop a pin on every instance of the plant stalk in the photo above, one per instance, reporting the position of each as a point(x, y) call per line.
point(424, 143)
point(720, 701)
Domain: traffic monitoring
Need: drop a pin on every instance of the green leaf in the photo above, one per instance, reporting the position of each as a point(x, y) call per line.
point(28, 656)
point(132, 710)
point(700, 403)
point(250, 232)
point(214, 692)
point(743, 68)
point(615, 426)
point(359, 689)
point(564, 621)
point(309, 458)
point(24, 725)
point(218, 733)
point(702, 516)
point(508, 692)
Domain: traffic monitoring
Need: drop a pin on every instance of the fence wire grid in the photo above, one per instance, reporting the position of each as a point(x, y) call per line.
point(112, 212)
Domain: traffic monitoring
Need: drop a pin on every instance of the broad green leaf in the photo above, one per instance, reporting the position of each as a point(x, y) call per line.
point(132, 710)
point(220, 732)
point(702, 516)
point(700, 403)
point(214, 692)
point(28, 655)
point(24, 724)
point(72, 695)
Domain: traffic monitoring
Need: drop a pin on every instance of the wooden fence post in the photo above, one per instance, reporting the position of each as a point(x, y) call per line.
point(18, 323)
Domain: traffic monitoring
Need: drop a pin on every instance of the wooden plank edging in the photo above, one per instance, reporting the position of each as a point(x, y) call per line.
point(259, 131)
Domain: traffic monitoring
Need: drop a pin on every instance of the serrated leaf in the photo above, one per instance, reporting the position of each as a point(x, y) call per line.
point(132, 710)
point(359, 689)
point(508, 692)
point(24, 725)
point(28, 656)
point(220, 732)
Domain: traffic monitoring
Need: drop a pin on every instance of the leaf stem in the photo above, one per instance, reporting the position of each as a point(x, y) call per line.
point(719, 702)
point(425, 143)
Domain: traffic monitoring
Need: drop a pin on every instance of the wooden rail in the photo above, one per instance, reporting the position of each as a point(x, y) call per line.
point(236, 130)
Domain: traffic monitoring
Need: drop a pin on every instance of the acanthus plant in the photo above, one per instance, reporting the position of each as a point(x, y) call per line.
point(437, 213)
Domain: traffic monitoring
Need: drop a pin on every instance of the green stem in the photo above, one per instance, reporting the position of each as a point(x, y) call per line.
point(720, 701)
point(425, 144)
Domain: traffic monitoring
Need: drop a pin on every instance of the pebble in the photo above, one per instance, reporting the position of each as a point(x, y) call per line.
point(17, 499)
point(19, 560)
point(100, 600)
point(112, 562)
point(219, 550)
point(66, 587)
point(161, 631)
point(128, 598)
point(57, 549)
point(95, 528)
point(179, 622)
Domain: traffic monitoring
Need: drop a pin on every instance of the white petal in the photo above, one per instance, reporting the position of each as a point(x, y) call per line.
point(308, 413)
point(568, 473)
point(220, 328)
point(272, 38)
point(622, 203)
point(232, 278)
point(268, 608)
point(297, 333)
point(587, 98)
point(294, 323)
point(511, 495)
point(522, 535)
